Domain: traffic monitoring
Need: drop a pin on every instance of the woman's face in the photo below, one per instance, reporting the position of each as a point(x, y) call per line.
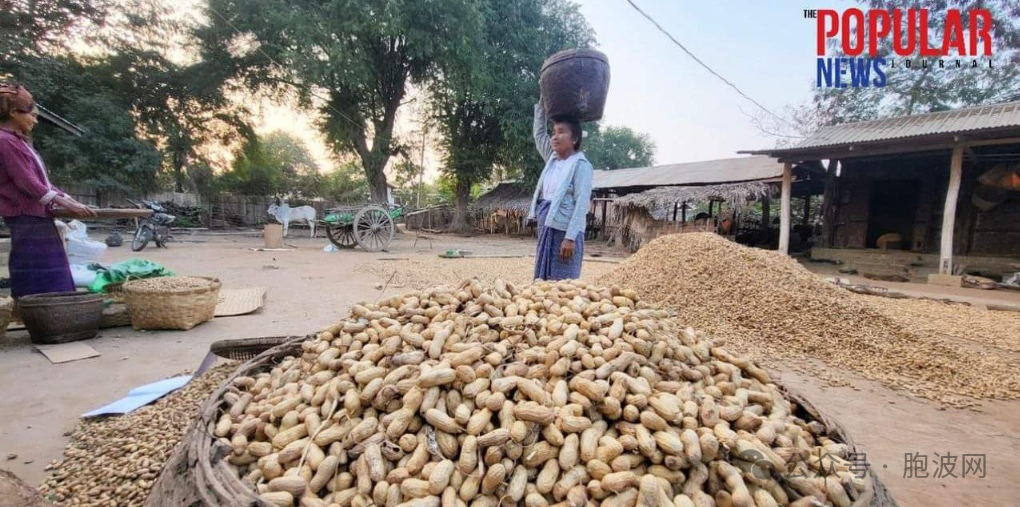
point(25, 121)
point(562, 139)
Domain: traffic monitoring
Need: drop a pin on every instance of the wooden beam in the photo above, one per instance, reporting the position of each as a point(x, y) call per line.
point(994, 142)
point(949, 212)
point(891, 148)
point(784, 213)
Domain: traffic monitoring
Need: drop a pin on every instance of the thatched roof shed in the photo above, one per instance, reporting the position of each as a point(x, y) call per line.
point(660, 199)
point(512, 196)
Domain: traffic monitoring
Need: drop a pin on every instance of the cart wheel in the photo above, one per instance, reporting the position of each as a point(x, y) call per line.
point(373, 228)
point(341, 235)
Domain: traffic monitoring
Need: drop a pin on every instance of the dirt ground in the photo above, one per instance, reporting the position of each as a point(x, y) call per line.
point(309, 289)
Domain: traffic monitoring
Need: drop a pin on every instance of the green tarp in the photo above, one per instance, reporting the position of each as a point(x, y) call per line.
point(131, 269)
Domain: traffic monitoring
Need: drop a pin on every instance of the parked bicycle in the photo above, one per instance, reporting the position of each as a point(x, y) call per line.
point(153, 228)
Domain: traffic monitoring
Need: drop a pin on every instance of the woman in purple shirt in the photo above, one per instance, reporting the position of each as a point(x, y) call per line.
point(38, 262)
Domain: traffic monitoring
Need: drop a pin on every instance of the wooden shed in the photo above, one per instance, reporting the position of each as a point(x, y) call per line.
point(504, 208)
point(636, 205)
point(938, 191)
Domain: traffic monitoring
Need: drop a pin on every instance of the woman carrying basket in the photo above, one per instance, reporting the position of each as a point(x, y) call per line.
point(561, 200)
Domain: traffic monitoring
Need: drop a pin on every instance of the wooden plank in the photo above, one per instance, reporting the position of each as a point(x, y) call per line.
point(949, 212)
point(784, 213)
point(107, 213)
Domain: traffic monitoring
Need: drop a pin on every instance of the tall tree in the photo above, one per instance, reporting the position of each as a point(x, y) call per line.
point(483, 103)
point(618, 148)
point(36, 40)
point(31, 29)
point(181, 102)
point(276, 164)
point(110, 155)
point(919, 89)
point(360, 54)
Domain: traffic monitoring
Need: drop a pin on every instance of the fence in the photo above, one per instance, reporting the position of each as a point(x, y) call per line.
point(224, 210)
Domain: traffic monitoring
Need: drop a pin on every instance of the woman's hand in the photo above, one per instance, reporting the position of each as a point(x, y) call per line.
point(567, 249)
point(74, 207)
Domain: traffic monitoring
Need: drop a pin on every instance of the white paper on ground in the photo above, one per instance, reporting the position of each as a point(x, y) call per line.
point(141, 396)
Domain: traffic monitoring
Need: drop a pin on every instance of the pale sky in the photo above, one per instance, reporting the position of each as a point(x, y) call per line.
point(764, 48)
point(767, 49)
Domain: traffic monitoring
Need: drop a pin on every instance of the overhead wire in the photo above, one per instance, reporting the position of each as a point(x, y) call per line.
point(705, 65)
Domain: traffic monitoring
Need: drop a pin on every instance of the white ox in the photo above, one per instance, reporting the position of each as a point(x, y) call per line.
point(285, 215)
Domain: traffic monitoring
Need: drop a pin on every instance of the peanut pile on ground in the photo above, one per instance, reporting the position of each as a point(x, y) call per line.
point(558, 394)
point(771, 308)
point(113, 462)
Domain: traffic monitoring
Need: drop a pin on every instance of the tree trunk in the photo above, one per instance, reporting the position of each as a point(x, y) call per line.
point(461, 222)
point(180, 164)
point(377, 184)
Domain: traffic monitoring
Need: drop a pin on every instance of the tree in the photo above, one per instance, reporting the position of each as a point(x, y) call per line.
point(483, 103)
point(276, 164)
point(29, 30)
point(618, 148)
point(346, 185)
point(919, 89)
point(181, 103)
point(127, 90)
point(360, 54)
point(110, 155)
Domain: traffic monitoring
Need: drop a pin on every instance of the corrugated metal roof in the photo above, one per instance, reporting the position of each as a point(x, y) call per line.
point(729, 170)
point(971, 119)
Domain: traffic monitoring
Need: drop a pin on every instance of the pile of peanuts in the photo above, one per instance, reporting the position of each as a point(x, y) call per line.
point(557, 394)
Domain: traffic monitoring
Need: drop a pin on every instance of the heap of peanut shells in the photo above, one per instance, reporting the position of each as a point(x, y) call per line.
point(555, 394)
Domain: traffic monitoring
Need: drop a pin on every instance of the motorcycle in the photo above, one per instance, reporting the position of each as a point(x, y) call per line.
point(154, 228)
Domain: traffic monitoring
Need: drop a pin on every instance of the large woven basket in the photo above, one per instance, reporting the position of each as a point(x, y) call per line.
point(155, 303)
point(199, 472)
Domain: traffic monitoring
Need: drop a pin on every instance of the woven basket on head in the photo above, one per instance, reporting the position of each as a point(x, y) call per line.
point(156, 303)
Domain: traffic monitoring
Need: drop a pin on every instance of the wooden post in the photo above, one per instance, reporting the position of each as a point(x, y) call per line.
point(784, 213)
point(676, 207)
point(605, 226)
point(949, 212)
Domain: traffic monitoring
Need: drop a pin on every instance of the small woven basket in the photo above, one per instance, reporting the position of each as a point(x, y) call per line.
point(6, 315)
point(115, 292)
point(246, 349)
point(171, 302)
point(115, 315)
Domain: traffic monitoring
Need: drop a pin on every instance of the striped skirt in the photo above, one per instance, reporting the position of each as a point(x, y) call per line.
point(548, 264)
